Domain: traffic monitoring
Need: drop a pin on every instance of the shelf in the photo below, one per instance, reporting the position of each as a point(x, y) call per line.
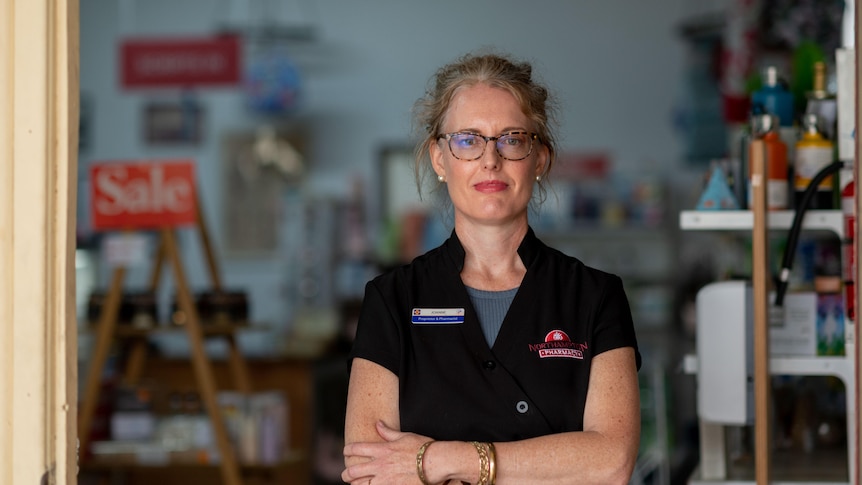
point(789, 467)
point(743, 220)
point(841, 367)
point(293, 378)
point(208, 329)
point(719, 465)
point(291, 470)
point(177, 460)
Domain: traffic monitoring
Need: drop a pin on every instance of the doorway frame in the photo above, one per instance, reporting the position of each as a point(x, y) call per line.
point(39, 53)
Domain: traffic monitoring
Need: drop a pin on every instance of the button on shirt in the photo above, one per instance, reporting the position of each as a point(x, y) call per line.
point(531, 382)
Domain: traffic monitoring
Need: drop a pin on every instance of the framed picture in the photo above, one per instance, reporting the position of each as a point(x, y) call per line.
point(257, 168)
point(398, 193)
point(173, 123)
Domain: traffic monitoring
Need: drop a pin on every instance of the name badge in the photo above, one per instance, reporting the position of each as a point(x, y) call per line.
point(437, 316)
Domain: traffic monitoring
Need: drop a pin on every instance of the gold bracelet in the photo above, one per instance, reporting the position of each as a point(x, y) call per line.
point(420, 468)
point(484, 464)
point(492, 464)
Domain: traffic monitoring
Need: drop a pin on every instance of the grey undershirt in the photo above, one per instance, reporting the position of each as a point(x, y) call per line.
point(491, 307)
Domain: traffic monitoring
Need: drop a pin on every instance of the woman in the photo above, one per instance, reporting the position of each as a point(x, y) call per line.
point(492, 358)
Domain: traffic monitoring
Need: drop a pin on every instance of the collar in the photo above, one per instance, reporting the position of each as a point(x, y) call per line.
point(527, 250)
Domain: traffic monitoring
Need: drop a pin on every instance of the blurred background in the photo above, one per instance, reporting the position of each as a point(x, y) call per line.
point(295, 118)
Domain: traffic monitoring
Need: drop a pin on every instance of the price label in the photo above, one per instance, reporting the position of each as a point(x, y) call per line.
point(125, 249)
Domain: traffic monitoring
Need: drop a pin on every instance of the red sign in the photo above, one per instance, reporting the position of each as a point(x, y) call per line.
point(583, 166)
point(180, 62)
point(127, 195)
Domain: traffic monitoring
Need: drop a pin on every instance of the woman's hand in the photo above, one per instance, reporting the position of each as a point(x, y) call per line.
point(392, 461)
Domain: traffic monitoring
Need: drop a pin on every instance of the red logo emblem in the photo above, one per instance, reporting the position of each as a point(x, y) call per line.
point(557, 336)
point(558, 344)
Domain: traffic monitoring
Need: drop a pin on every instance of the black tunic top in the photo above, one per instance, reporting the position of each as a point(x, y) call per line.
point(418, 322)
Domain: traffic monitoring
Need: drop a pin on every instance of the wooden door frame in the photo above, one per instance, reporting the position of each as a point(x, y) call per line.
point(856, 479)
point(39, 87)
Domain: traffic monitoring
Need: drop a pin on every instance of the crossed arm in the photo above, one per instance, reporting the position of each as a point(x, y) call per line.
point(603, 453)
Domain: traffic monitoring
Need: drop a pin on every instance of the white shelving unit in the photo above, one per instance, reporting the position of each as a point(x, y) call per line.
point(713, 467)
point(741, 220)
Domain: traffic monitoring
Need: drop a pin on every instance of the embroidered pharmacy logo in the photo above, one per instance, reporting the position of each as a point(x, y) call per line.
point(439, 316)
point(558, 344)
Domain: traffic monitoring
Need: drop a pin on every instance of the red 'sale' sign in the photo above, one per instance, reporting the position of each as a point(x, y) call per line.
point(142, 195)
point(180, 62)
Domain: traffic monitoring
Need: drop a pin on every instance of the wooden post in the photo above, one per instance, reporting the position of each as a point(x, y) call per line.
point(201, 364)
point(856, 459)
point(760, 277)
point(239, 370)
point(215, 274)
point(237, 365)
point(138, 354)
point(137, 359)
point(158, 262)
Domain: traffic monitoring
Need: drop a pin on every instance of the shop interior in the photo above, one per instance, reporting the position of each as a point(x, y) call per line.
point(290, 121)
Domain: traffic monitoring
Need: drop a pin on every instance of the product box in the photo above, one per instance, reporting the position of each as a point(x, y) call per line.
point(796, 334)
point(845, 77)
point(132, 425)
point(813, 325)
point(830, 324)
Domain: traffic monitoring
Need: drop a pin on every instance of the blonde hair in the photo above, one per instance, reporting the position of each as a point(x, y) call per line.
point(482, 68)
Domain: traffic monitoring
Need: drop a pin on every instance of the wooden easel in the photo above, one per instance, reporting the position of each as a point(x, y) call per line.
point(106, 334)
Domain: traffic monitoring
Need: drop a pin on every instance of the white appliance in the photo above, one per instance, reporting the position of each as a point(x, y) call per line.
point(725, 368)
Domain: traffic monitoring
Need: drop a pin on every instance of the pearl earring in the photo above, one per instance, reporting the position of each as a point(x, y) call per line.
point(441, 178)
point(538, 178)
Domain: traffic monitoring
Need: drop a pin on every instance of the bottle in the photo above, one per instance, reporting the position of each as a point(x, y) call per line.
point(813, 153)
point(741, 187)
point(765, 127)
point(774, 98)
point(822, 103)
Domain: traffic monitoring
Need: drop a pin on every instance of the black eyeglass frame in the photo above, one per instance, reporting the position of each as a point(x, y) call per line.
point(448, 137)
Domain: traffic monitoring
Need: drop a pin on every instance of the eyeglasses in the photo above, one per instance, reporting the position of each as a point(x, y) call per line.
point(515, 145)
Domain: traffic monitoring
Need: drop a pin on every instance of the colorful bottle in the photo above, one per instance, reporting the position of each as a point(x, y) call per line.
point(813, 153)
point(765, 127)
point(774, 98)
point(822, 103)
